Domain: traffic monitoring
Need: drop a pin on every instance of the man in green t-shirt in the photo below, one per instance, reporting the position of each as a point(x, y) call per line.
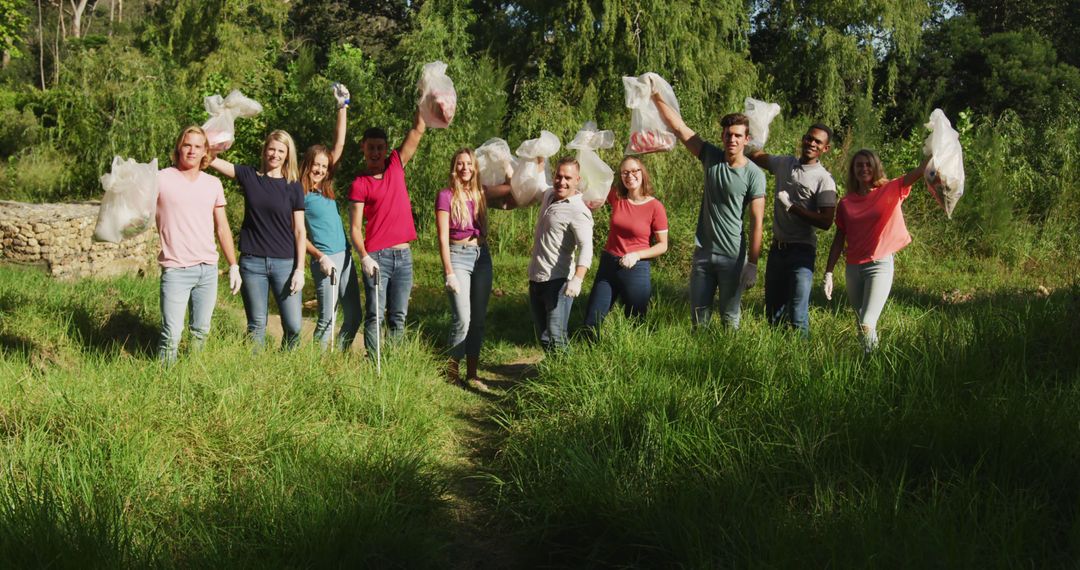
point(722, 261)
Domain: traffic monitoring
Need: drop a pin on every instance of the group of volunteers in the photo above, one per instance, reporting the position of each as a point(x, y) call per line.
point(290, 210)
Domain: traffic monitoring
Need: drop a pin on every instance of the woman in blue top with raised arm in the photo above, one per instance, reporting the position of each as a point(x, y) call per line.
point(326, 244)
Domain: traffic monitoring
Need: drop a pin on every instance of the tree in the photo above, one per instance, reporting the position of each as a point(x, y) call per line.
point(13, 24)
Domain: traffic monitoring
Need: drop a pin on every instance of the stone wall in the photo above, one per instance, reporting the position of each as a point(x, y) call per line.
point(59, 238)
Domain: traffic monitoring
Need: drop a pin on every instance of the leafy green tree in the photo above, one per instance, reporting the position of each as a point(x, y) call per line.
point(13, 24)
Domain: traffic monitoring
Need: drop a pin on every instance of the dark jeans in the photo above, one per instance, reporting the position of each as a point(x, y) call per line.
point(789, 277)
point(614, 282)
point(550, 311)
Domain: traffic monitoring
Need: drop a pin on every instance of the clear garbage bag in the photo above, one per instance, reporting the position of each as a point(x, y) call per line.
point(761, 115)
point(494, 162)
point(130, 200)
point(530, 177)
point(648, 132)
point(596, 175)
point(438, 98)
point(221, 128)
point(945, 171)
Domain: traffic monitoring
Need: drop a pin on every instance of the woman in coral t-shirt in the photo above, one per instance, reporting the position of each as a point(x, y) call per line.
point(638, 233)
point(869, 220)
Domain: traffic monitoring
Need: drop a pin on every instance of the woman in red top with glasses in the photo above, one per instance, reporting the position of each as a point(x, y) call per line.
point(638, 233)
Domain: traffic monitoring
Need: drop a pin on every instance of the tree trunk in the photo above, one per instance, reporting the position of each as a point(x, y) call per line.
point(41, 46)
point(76, 17)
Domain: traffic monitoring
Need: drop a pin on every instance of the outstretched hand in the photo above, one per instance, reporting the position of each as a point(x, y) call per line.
point(341, 93)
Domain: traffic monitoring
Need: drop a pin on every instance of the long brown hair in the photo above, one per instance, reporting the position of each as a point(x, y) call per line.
point(461, 193)
point(326, 187)
point(646, 182)
point(875, 164)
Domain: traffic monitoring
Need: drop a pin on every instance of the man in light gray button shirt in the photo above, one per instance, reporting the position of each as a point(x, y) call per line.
point(805, 202)
point(563, 225)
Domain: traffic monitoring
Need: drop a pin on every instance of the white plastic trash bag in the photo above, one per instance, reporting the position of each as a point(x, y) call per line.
point(438, 99)
point(130, 200)
point(494, 162)
point(945, 171)
point(761, 115)
point(530, 177)
point(596, 175)
point(220, 128)
point(648, 133)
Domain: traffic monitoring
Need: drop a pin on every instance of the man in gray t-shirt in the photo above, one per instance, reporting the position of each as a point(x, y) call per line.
point(725, 261)
point(805, 202)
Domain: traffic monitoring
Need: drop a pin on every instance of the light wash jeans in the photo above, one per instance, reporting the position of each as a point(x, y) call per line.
point(193, 289)
point(468, 307)
point(551, 312)
point(868, 286)
point(395, 285)
point(712, 272)
point(345, 296)
point(262, 276)
point(789, 277)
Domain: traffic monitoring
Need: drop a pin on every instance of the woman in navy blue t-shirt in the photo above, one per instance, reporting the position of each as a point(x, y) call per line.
point(272, 236)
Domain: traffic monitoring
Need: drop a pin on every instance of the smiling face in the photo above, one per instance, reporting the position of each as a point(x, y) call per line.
point(191, 151)
point(275, 155)
point(567, 179)
point(631, 172)
point(320, 166)
point(464, 170)
point(814, 144)
point(375, 154)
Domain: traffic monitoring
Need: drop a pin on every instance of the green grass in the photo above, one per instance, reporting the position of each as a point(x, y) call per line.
point(226, 459)
point(955, 445)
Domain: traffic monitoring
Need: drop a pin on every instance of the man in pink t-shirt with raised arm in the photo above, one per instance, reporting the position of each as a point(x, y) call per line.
point(190, 212)
point(381, 229)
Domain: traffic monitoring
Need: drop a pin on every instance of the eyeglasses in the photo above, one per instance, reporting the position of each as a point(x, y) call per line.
point(634, 172)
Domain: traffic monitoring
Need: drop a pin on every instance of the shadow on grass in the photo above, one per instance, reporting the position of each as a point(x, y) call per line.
point(377, 513)
point(952, 444)
point(121, 329)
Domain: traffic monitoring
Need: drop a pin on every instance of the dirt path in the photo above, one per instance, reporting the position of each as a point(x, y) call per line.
point(481, 540)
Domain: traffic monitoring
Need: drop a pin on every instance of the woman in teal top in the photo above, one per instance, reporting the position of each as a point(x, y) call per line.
point(326, 243)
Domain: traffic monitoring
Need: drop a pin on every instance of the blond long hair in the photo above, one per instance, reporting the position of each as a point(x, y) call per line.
point(462, 192)
point(289, 170)
point(175, 154)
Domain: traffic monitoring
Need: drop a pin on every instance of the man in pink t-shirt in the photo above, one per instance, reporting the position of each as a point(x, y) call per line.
point(190, 212)
point(381, 229)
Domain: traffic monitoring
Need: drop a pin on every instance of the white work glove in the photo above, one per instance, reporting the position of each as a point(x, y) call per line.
point(828, 285)
point(341, 93)
point(234, 279)
point(296, 285)
point(629, 260)
point(326, 265)
point(785, 199)
point(369, 266)
point(573, 287)
point(452, 283)
point(749, 275)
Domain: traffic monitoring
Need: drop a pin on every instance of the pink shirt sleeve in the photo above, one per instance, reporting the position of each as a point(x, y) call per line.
point(659, 219)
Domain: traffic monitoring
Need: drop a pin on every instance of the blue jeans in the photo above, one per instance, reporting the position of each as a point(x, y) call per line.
point(345, 296)
point(262, 276)
point(868, 286)
point(551, 312)
point(613, 282)
point(193, 288)
point(789, 277)
point(468, 307)
point(395, 285)
point(712, 272)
